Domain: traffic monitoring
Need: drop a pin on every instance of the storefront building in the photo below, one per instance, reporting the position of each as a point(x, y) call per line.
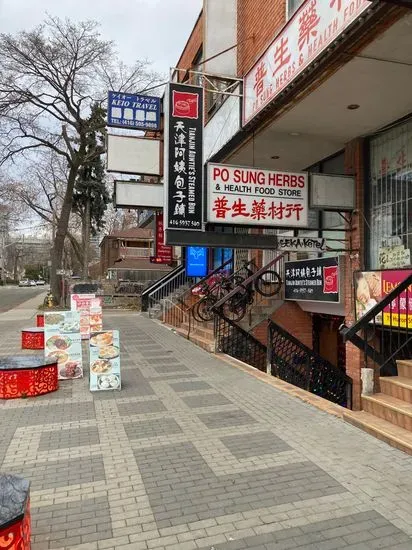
point(320, 87)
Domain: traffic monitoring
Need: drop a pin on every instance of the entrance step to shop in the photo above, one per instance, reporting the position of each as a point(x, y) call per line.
point(260, 313)
point(389, 408)
point(388, 415)
point(201, 334)
point(397, 437)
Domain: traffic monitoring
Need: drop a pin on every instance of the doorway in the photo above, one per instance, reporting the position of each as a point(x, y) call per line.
point(327, 340)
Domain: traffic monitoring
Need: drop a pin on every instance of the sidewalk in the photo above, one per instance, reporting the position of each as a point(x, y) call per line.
point(25, 311)
point(196, 454)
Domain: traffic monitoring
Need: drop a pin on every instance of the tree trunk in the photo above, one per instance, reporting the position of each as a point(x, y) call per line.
point(60, 236)
point(86, 240)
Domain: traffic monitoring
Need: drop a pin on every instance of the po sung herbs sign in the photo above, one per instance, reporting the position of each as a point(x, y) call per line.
point(249, 196)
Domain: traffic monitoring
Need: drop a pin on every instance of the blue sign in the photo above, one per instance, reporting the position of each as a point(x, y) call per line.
point(134, 111)
point(196, 261)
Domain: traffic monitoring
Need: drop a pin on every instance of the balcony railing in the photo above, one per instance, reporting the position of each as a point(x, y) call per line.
point(130, 252)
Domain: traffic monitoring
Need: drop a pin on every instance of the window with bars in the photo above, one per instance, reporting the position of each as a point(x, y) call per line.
point(390, 182)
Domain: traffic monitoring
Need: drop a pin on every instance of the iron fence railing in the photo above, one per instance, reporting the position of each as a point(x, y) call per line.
point(239, 344)
point(384, 333)
point(159, 284)
point(292, 361)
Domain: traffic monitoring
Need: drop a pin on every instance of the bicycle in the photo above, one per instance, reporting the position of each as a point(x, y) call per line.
point(267, 284)
point(203, 309)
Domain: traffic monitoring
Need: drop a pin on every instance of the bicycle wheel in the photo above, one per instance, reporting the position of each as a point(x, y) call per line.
point(235, 308)
point(195, 313)
point(204, 309)
point(268, 283)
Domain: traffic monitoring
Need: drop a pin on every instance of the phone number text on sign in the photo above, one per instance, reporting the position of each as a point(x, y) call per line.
point(249, 196)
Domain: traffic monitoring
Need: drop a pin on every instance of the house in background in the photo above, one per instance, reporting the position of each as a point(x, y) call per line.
point(125, 255)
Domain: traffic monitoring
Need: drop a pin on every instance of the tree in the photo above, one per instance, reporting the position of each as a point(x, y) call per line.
point(33, 272)
point(91, 197)
point(49, 79)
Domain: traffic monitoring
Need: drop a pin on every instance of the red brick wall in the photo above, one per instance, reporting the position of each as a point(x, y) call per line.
point(258, 23)
point(192, 47)
point(291, 318)
point(354, 166)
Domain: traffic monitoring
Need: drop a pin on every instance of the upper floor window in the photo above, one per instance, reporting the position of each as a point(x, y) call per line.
point(293, 5)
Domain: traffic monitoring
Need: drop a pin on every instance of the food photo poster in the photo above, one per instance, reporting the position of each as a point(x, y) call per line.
point(62, 341)
point(105, 361)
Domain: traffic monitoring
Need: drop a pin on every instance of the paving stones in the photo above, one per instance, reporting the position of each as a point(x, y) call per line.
point(226, 419)
point(152, 428)
point(74, 437)
point(182, 487)
point(206, 400)
point(254, 444)
point(190, 386)
point(140, 407)
point(51, 474)
point(194, 454)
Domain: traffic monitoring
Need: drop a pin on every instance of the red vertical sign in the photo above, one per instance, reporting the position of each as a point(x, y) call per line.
point(163, 252)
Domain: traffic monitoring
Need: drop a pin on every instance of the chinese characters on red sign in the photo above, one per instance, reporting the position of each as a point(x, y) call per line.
point(249, 196)
point(314, 280)
point(163, 253)
point(185, 164)
point(306, 35)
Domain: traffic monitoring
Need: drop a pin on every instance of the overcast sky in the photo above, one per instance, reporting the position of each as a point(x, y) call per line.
point(152, 29)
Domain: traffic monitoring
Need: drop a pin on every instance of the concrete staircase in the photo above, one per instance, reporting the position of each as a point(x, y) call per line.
point(201, 334)
point(260, 312)
point(388, 415)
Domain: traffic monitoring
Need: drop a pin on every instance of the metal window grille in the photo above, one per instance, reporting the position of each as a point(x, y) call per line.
point(390, 184)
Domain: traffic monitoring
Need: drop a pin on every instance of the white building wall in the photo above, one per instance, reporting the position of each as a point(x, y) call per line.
point(220, 33)
point(223, 125)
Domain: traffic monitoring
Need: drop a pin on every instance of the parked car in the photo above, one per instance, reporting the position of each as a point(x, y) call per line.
point(24, 282)
point(40, 282)
point(32, 283)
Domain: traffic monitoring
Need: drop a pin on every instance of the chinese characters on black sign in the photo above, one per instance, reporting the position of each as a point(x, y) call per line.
point(185, 163)
point(314, 280)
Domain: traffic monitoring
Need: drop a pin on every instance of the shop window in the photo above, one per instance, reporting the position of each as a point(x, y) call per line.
point(390, 195)
point(292, 6)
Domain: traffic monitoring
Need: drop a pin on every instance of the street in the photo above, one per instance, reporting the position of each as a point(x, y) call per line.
point(11, 296)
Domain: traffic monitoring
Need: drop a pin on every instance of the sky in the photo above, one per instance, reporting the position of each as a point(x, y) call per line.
point(156, 30)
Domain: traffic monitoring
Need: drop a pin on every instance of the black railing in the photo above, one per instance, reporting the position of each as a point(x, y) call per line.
point(292, 361)
point(157, 284)
point(239, 344)
point(384, 333)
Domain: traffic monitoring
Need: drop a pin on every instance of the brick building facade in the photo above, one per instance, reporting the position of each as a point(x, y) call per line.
point(327, 115)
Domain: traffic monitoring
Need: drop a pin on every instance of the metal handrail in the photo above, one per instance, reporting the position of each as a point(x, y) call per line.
point(363, 323)
point(244, 284)
point(157, 284)
point(311, 357)
point(234, 334)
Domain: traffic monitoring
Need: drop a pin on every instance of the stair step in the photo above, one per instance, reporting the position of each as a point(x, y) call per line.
point(389, 408)
point(204, 343)
point(397, 386)
point(381, 429)
point(404, 368)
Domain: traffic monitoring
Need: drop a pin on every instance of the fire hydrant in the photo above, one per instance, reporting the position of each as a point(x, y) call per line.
point(49, 300)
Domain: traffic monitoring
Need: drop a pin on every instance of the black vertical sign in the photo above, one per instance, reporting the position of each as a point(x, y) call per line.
point(185, 158)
